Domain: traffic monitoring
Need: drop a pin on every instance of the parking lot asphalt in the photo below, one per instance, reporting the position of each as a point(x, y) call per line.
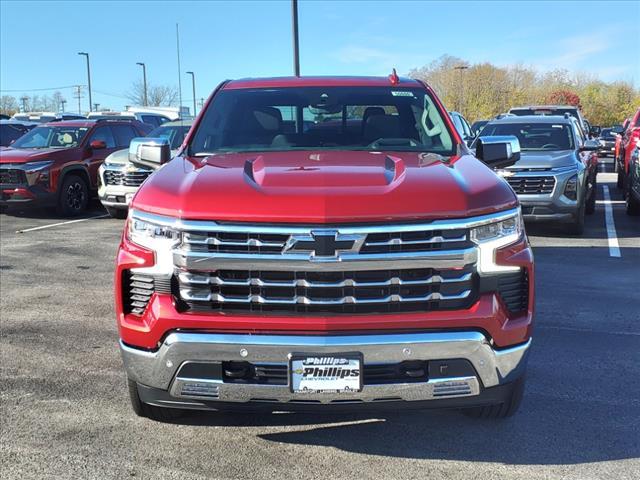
point(65, 413)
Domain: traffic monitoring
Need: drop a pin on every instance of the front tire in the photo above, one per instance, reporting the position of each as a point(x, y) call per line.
point(631, 203)
point(141, 409)
point(577, 226)
point(501, 410)
point(74, 196)
point(118, 213)
point(591, 201)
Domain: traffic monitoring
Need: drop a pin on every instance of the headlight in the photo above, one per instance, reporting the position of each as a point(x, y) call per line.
point(571, 188)
point(32, 167)
point(143, 231)
point(495, 235)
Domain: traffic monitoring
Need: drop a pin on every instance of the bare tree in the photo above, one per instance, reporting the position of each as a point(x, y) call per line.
point(157, 95)
point(8, 105)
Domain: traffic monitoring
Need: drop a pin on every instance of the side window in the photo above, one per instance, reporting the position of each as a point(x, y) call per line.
point(124, 134)
point(465, 127)
point(104, 134)
point(151, 120)
point(458, 124)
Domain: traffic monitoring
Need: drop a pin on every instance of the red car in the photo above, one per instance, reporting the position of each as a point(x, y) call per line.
point(626, 142)
point(56, 164)
point(325, 242)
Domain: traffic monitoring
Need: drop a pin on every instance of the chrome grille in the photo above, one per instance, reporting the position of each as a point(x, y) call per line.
point(127, 179)
point(12, 177)
point(324, 292)
point(532, 185)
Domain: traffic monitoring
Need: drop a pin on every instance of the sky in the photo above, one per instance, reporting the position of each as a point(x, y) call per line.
point(39, 41)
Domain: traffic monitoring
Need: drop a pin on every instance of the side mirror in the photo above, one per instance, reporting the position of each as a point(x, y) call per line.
point(590, 145)
point(498, 151)
point(98, 145)
point(150, 152)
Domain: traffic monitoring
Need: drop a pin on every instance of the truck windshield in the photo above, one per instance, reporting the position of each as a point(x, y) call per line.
point(535, 136)
point(321, 118)
point(52, 137)
point(175, 134)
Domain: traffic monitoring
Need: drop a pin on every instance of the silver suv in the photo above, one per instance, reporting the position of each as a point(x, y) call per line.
point(555, 177)
point(119, 178)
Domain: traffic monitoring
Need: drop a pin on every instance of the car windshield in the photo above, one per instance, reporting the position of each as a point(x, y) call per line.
point(175, 134)
point(52, 137)
point(534, 136)
point(322, 118)
point(607, 133)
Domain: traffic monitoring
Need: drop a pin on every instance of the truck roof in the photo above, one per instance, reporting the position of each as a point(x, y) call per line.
point(319, 81)
point(533, 119)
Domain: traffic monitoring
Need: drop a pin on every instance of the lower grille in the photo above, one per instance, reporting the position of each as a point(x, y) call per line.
point(278, 374)
point(127, 179)
point(383, 291)
point(514, 290)
point(12, 177)
point(532, 185)
point(138, 290)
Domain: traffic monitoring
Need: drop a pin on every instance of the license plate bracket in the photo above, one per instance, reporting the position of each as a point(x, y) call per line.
point(325, 373)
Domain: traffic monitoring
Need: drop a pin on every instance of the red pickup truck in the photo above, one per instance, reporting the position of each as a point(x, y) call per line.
point(325, 242)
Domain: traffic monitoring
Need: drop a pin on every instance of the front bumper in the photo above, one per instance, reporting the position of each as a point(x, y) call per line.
point(26, 195)
point(119, 195)
point(158, 373)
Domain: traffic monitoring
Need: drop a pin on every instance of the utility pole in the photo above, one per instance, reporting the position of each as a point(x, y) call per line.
point(85, 54)
point(193, 86)
point(63, 102)
point(78, 95)
point(296, 45)
point(95, 107)
point(460, 68)
point(24, 100)
point(179, 71)
point(144, 82)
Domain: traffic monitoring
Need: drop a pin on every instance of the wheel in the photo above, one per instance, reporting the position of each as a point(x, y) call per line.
point(116, 212)
point(620, 178)
point(74, 196)
point(501, 410)
point(591, 200)
point(141, 409)
point(577, 226)
point(631, 203)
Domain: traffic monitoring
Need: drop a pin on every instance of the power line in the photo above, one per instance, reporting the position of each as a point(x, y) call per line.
point(22, 90)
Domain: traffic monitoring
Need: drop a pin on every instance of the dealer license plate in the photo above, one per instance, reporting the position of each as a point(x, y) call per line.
point(338, 373)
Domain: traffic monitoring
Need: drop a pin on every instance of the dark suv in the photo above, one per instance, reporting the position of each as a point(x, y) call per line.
point(56, 164)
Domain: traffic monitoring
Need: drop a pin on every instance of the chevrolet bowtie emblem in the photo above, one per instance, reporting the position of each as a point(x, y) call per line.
point(323, 244)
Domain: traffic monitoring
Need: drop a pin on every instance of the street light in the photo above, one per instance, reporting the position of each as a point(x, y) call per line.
point(460, 68)
point(296, 45)
point(144, 79)
point(193, 85)
point(85, 54)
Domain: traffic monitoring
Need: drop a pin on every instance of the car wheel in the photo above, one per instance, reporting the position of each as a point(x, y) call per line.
point(73, 197)
point(501, 410)
point(577, 226)
point(591, 201)
point(631, 202)
point(142, 409)
point(118, 213)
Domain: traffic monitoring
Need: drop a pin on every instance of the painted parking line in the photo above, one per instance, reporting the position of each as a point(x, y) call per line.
point(60, 223)
point(614, 247)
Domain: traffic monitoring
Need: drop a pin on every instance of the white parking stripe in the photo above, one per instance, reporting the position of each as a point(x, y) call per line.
point(60, 223)
point(614, 247)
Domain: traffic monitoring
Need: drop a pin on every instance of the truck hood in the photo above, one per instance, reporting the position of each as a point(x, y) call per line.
point(324, 187)
point(563, 158)
point(20, 155)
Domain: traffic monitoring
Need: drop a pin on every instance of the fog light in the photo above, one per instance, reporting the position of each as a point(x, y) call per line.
point(571, 188)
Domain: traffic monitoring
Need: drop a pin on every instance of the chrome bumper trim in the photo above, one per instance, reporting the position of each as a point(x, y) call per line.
point(158, 369)
point(448, 259)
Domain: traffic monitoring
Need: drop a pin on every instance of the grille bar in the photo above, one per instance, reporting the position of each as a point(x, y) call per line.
point(532, 185)
point(400, 241)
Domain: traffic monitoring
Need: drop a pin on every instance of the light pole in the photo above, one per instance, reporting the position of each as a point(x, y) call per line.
point(460, 68)
point(85, 54)
point(193, 86)
point(296, 53)
point(144, 80)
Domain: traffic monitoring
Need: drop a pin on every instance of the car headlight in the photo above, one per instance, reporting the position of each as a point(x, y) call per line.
point(571, 188)
point(492, 236)
point(153, 235)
